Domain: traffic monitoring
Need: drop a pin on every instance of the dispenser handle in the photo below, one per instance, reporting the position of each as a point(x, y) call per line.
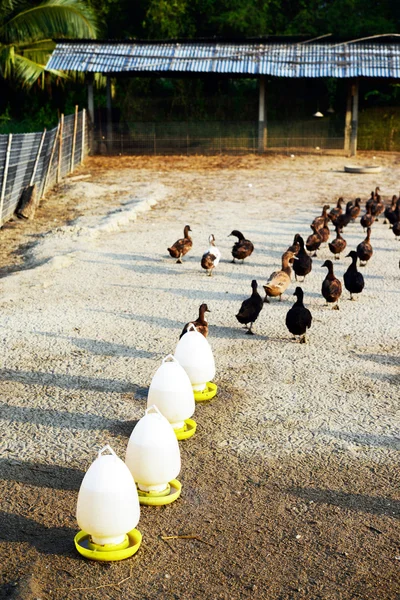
point(106, 447)
point(191, 326)
point(154, 408)
point(171, 357)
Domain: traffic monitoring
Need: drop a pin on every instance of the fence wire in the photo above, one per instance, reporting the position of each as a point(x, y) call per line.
point(217, 137)
point(41, 158)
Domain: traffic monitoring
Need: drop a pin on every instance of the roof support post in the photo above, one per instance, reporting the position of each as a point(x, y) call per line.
point(90, 100)
point(262, 121)
point(354, 118)
point(347, 122)
point(109, 114)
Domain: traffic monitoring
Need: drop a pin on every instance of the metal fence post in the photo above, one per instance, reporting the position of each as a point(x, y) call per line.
point(74, 139)
point(61, 131)
point(4, 182)
point(35, 166)
point(53, 149)
point(83, 134)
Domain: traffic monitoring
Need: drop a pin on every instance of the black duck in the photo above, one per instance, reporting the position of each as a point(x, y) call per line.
point(298, 317)
point(303, 265)
point(353, 279)
point(242, 248)
point(250, 309)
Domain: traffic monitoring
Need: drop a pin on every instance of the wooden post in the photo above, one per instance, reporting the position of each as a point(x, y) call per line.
point(74, 139)
point(262, 129)
point(4, 182)
point(35, 166)
point(354, 120)
point(109, 114)
point(83, 134)
point(53, 149)
point(60, 135)
point(89, 79)
point(347, 122)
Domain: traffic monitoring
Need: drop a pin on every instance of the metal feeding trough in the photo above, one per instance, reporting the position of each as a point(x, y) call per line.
point(364, 169)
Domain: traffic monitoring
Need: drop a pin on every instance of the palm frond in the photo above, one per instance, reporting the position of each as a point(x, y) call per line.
point(7, 55)
point(28, 71)
point(52, 18)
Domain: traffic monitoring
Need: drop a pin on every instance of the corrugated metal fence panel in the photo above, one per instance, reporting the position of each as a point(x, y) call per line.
point(366, 59)
point(23, 154)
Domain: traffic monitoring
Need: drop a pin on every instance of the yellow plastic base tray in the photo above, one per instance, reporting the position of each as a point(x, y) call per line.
point(187, 431)
point(159, 499)
point(207, 394)
point(109, 552)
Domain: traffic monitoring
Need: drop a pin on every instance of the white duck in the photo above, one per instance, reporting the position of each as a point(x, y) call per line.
point(211, 258)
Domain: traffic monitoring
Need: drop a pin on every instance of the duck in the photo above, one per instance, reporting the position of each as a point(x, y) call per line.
point(295, 247)
point(353, 279)
point(370, 200)
point(324, 231)
point(396, 219)
point(250, 309)
point(367, 219)
point(337, 245)
point(331, 286)
point(242, 248)
point(364, 249)
point(337, 210)
point(378, 207)
point(390, 212)
point(344, 219)
point(182, 246)
point(298, 317)
point(319, 221)
point(303, 265)
point(211, 258)
point(279, 281)
point(201, 323)
point(313, 241)
point(355, 209)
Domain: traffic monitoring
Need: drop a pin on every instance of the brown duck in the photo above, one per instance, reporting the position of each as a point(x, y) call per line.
point(319, 221)
point(324, 231)
point(337, 245)
point(279, 281)
point(200, 323)
point(211, 258)
point(295, 247)
point(367, 219)
point(242, 248)
point(314, 241)
point(182, 246)
point(355, 209)
point(364, 249)
point(331, 286)
point(337, 210)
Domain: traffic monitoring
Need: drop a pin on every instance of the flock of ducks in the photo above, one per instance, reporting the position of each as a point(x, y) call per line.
point(298, 257)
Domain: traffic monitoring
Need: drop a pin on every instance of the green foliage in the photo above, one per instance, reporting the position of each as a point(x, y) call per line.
point(27, 30)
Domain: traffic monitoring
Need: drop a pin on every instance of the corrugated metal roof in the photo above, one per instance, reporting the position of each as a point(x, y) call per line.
point(361, 59)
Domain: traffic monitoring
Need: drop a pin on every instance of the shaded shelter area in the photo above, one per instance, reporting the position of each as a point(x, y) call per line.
point(264, 59)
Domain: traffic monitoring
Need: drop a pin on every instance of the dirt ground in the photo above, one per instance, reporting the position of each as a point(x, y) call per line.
point(291, 483)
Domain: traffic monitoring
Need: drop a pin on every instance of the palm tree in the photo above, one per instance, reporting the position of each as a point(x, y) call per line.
point(27, 32)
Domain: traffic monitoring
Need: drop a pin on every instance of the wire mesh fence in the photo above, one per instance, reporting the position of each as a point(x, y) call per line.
point(40, 159)
point(216, 137)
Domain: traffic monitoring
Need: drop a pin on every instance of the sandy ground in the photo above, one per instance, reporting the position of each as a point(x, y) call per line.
point(291, 482)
